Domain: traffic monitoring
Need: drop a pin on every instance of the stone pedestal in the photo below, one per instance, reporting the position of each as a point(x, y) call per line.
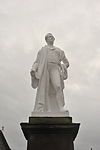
point(50, 133)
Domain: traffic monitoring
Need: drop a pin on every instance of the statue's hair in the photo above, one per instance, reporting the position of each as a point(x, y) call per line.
point(46, 36)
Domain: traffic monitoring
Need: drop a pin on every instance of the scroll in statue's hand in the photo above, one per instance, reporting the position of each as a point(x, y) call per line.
point(34, 80)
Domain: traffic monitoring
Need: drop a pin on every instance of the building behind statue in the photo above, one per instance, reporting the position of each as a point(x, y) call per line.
point(3, 143)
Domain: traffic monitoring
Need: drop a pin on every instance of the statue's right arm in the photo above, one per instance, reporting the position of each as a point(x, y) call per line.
point(37, 58)
point(35, 65)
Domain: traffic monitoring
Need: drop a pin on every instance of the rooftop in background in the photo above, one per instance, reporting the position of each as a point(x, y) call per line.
point(3, 143)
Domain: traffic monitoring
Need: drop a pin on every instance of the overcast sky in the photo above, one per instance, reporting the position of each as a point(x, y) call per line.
point(76, 26)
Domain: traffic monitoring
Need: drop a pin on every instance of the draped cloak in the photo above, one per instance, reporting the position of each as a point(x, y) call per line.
point(46, 95)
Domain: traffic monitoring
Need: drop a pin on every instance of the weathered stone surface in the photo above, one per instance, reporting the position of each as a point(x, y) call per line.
point(50, 114)
point(50, 120)
point(53, 133)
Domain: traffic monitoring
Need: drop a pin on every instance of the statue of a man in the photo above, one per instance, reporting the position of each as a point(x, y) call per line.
point(48, 74)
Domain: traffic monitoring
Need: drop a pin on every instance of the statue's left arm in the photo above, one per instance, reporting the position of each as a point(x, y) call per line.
point(64, 59)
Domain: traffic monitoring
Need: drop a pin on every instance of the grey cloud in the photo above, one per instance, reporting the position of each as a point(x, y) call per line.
point(76, 26)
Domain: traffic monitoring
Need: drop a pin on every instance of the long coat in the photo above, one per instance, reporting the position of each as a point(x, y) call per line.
point(46, 96)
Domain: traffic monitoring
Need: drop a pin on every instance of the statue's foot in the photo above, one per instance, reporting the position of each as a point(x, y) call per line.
point(64, 110)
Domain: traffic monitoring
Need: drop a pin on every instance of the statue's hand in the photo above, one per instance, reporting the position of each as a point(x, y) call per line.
point(64, 73)
point(32, 73)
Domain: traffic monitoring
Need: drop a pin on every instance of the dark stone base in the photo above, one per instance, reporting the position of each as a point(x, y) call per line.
point(50, 133)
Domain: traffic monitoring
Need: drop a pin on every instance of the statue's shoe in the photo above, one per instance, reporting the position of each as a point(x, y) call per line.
point(64, 110)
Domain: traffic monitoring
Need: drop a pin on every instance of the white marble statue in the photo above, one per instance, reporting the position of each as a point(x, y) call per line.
point(47, 75)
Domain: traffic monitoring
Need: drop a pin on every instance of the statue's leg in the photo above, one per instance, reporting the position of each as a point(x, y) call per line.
point(55, 79)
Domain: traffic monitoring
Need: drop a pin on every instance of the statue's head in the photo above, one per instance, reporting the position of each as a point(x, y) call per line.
point(49, 38)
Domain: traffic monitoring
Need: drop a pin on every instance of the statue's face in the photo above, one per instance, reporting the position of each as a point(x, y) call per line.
point(50, 39)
